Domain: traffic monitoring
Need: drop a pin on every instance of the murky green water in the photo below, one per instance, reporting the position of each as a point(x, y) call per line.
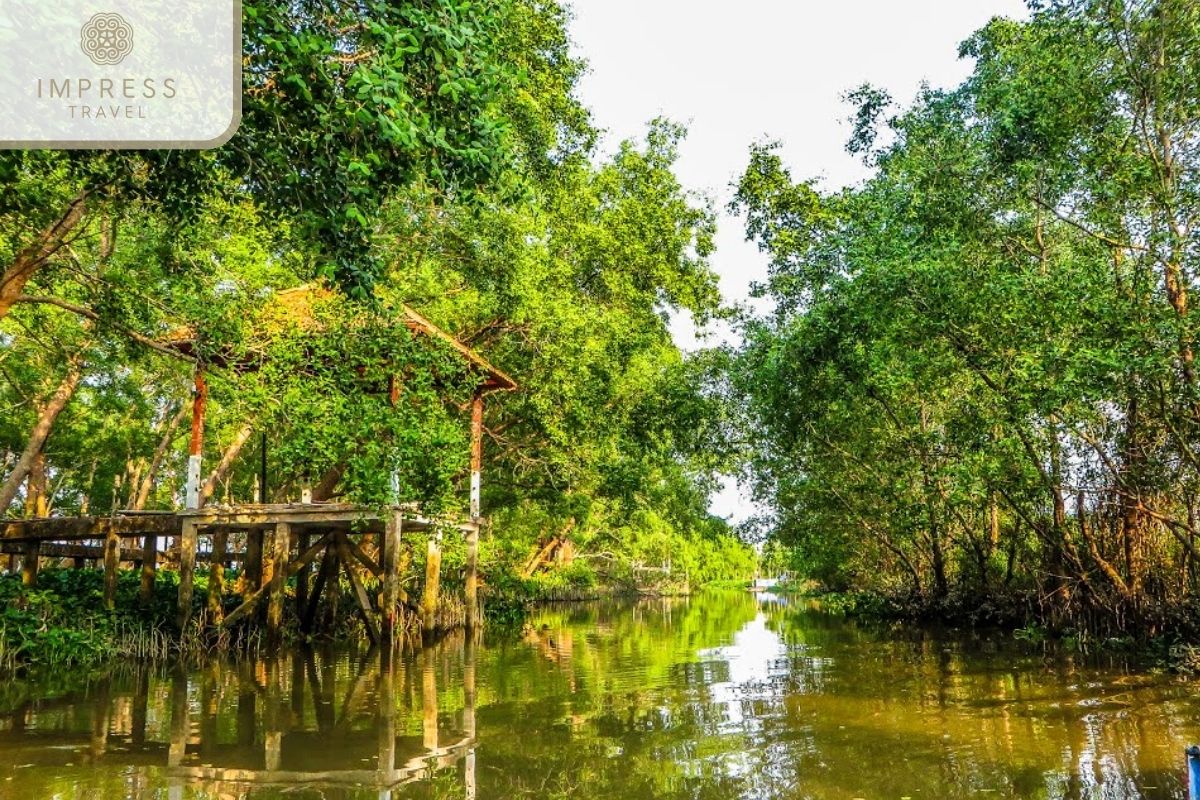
point(722, 696)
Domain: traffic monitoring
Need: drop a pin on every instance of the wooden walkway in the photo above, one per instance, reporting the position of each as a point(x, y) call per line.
point(277, 542)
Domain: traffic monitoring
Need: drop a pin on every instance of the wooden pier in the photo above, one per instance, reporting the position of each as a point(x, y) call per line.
point(276, 542)
point(313, 542)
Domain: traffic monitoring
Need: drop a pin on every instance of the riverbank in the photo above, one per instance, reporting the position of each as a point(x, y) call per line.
point(1174, 644)
point(62, 622)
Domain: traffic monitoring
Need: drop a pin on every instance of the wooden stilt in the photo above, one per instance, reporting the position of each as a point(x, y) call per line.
point(252, 566)
point(471, 587)
point(390, 556)
point(275, 564)
point(360, 595)
point(112, 564)
point(149, 567)
point(303, 542)
point(326, 573)
point(216, 577)
point(476, 455)
point(187, 569)
point(433, 574)
point(30, 563)
point(196, 445)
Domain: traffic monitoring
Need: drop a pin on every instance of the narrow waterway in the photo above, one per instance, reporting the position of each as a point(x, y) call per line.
point(721, 696)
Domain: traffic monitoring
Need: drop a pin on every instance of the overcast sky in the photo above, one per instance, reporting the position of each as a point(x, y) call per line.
point(736, 73)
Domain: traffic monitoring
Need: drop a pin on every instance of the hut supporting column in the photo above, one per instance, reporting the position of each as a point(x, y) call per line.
point(471, 583)
point(112, 563)
point(187, 569)
point(275, 569)
point(216, 577)
point(252, 564)
point(476, 455)
point(433, 574)
point(303, 542)
point(149, 566)
point(390, 556)
point(327, 572)
point(196, 447)
point(30, 563)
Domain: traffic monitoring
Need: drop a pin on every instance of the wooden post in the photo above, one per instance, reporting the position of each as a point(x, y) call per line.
point(216, 577)
point(476, 454)
point(196, 447)
point(390, 555)
point(252, 565)
point(112, 563)
point(30, 563)
point(433, 573)
point(303, 542)
point(149, 567)
point(275, 568)
point(471, 587)
point(187, 569)
point(326, 573)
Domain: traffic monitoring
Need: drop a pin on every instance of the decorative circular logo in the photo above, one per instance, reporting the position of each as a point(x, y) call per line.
point(106, 38)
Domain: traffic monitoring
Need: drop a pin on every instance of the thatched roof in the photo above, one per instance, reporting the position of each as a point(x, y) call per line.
point(296, 307)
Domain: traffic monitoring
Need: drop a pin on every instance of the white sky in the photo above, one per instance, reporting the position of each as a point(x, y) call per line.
point(736, 73)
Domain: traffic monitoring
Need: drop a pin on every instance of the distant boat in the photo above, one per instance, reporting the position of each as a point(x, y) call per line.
point(763, 584)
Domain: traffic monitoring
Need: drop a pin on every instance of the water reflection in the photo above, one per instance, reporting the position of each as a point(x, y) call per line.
point(332, 722)
point(719, 697)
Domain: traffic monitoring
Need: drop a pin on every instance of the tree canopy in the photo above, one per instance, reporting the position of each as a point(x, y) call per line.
point(431, 155)
point(979, 376)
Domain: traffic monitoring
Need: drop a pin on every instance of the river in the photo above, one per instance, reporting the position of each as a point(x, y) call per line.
point(725, 695)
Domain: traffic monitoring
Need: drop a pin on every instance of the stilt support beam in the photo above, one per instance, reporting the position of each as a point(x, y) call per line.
point(149, 567)
point(112, 565)
point(187, 569)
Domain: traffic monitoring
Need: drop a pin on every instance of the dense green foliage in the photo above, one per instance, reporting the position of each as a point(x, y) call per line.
point(428, 155)
point(979, 378)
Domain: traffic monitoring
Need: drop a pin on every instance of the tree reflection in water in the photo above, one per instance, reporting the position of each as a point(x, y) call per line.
point(721, 696)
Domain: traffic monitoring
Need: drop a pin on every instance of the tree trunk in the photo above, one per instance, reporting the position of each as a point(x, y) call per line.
point(41, 431)
point(36, 504)
point(41, 250)
point(222, 471)
point(160, 453)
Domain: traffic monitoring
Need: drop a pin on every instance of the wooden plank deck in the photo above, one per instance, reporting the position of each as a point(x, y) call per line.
point(278, 547)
